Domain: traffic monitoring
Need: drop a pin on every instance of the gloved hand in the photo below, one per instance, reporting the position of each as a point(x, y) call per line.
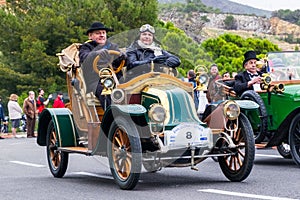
point(137, 63)
point(172, 62)
point(159, 59)
point(103, 53)
point(50, 96)
point(116, 63)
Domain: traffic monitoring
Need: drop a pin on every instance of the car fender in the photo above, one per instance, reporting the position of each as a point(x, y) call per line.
point(63, 124)
point(135, 112)
point(247, 104)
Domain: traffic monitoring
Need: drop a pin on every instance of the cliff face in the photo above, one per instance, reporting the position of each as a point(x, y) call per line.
point(197, 24)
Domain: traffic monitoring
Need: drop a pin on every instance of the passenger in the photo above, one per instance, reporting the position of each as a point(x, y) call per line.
point(249, 79)
point(14, 113)
point(213, 93)
point(146, 49)
point(226, 75)
point(97, 45)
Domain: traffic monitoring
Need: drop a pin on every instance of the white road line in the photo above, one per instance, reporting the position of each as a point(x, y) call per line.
point(266, 155)
point(254, 196)
point(26, 163)
point(92, 174)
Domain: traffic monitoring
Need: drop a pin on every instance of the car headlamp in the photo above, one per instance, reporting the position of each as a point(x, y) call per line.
point(157, 113)
point(231, 110)
point(108, 83)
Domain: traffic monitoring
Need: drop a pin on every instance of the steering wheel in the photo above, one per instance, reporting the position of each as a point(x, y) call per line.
point(110, 52)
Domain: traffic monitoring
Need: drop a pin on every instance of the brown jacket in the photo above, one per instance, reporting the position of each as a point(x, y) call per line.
point(29, 108)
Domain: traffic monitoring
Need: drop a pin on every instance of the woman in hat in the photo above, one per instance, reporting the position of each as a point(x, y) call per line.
point(14, 113)
point(250, 78)
point(97, 45)
point(146, 49)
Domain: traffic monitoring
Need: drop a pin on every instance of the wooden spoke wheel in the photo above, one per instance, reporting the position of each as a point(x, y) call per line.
point(124, 153)
point(57, 160)
point(237, 167)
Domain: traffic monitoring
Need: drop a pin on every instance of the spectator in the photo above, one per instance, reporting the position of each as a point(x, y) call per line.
point(30, 110)
point(250, 78)
point(58, 102)
point(2, 115)
point(213, 93)
point(191, 78)
point(97, 45)
point(14, 113)
point(145, 50)
point(41, 103)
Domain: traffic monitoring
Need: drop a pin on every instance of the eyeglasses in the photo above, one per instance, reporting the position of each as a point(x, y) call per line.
point(147, 27)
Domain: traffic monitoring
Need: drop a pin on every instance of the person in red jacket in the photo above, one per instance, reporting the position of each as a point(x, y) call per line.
point(58, 102)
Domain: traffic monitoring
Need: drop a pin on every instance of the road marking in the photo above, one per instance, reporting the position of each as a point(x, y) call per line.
point(266, 155)
point(26, 163)
point(254, 196)
point(92, 174)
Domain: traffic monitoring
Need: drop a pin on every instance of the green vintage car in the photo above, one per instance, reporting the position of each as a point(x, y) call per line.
point(152, 122)
point(277, 121)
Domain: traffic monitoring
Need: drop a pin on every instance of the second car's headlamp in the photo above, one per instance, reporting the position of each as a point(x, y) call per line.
point(231, 110)
point(108, 83)
point(157, 113)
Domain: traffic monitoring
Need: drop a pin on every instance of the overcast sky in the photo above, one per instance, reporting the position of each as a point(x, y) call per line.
point(271, 4)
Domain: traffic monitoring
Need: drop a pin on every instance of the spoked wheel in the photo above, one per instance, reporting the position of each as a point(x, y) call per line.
point(124, 153)
point(259, 119)
point(284, 150)
point(57, 160)
point(237, 167)
point(294, 139)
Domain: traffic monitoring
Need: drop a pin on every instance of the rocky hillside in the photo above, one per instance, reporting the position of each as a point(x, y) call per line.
point(193, 24)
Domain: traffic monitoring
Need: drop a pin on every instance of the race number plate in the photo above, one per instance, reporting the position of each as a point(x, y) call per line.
point(187, 134)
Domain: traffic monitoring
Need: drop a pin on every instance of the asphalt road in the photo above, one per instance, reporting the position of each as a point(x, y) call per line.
point(24, 174)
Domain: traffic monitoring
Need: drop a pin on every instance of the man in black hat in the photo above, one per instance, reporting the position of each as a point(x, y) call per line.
point(250, 78)
point(97, 45)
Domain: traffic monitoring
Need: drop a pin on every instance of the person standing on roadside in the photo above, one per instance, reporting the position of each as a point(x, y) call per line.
point(14, 113)
point(30, 110)
point(58, 102)
point(41, 102)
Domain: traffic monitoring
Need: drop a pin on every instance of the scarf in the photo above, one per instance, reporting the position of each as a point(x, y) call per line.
point(157, 50)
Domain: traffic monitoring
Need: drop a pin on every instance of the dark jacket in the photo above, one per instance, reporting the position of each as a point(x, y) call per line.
point(136, 56)
point(241, 82)
point(1, 112)
point(87, 54)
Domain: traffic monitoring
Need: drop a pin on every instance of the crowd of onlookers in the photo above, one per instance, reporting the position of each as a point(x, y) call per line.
point(31, 109)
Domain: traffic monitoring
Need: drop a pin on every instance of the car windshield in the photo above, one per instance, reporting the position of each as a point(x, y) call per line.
point(284, 65)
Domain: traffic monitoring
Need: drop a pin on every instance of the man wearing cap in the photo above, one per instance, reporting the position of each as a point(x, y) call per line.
point(97, 45)
point(58, 102)
point(249, 79)
point(146, 49)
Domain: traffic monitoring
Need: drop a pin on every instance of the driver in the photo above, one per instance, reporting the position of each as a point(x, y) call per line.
point(249, 79)
point(146, 49)
point(97, 45)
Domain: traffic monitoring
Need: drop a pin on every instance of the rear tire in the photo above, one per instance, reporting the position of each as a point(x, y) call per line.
point(57, 160)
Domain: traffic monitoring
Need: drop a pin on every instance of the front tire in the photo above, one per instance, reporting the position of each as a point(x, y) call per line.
point(238, 166)
point(261, 130)
point(294, 139)
point(124, 153)
point(57, 160)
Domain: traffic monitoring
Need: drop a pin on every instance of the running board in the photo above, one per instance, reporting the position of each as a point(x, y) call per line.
point(81, 150)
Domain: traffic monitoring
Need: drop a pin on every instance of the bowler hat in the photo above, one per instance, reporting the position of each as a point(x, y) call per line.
point(249, 55)
point(97, 26)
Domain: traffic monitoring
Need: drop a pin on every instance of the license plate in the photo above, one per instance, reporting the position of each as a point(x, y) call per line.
point(187, 134)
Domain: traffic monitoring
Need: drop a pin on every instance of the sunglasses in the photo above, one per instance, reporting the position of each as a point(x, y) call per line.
point(147, 27)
